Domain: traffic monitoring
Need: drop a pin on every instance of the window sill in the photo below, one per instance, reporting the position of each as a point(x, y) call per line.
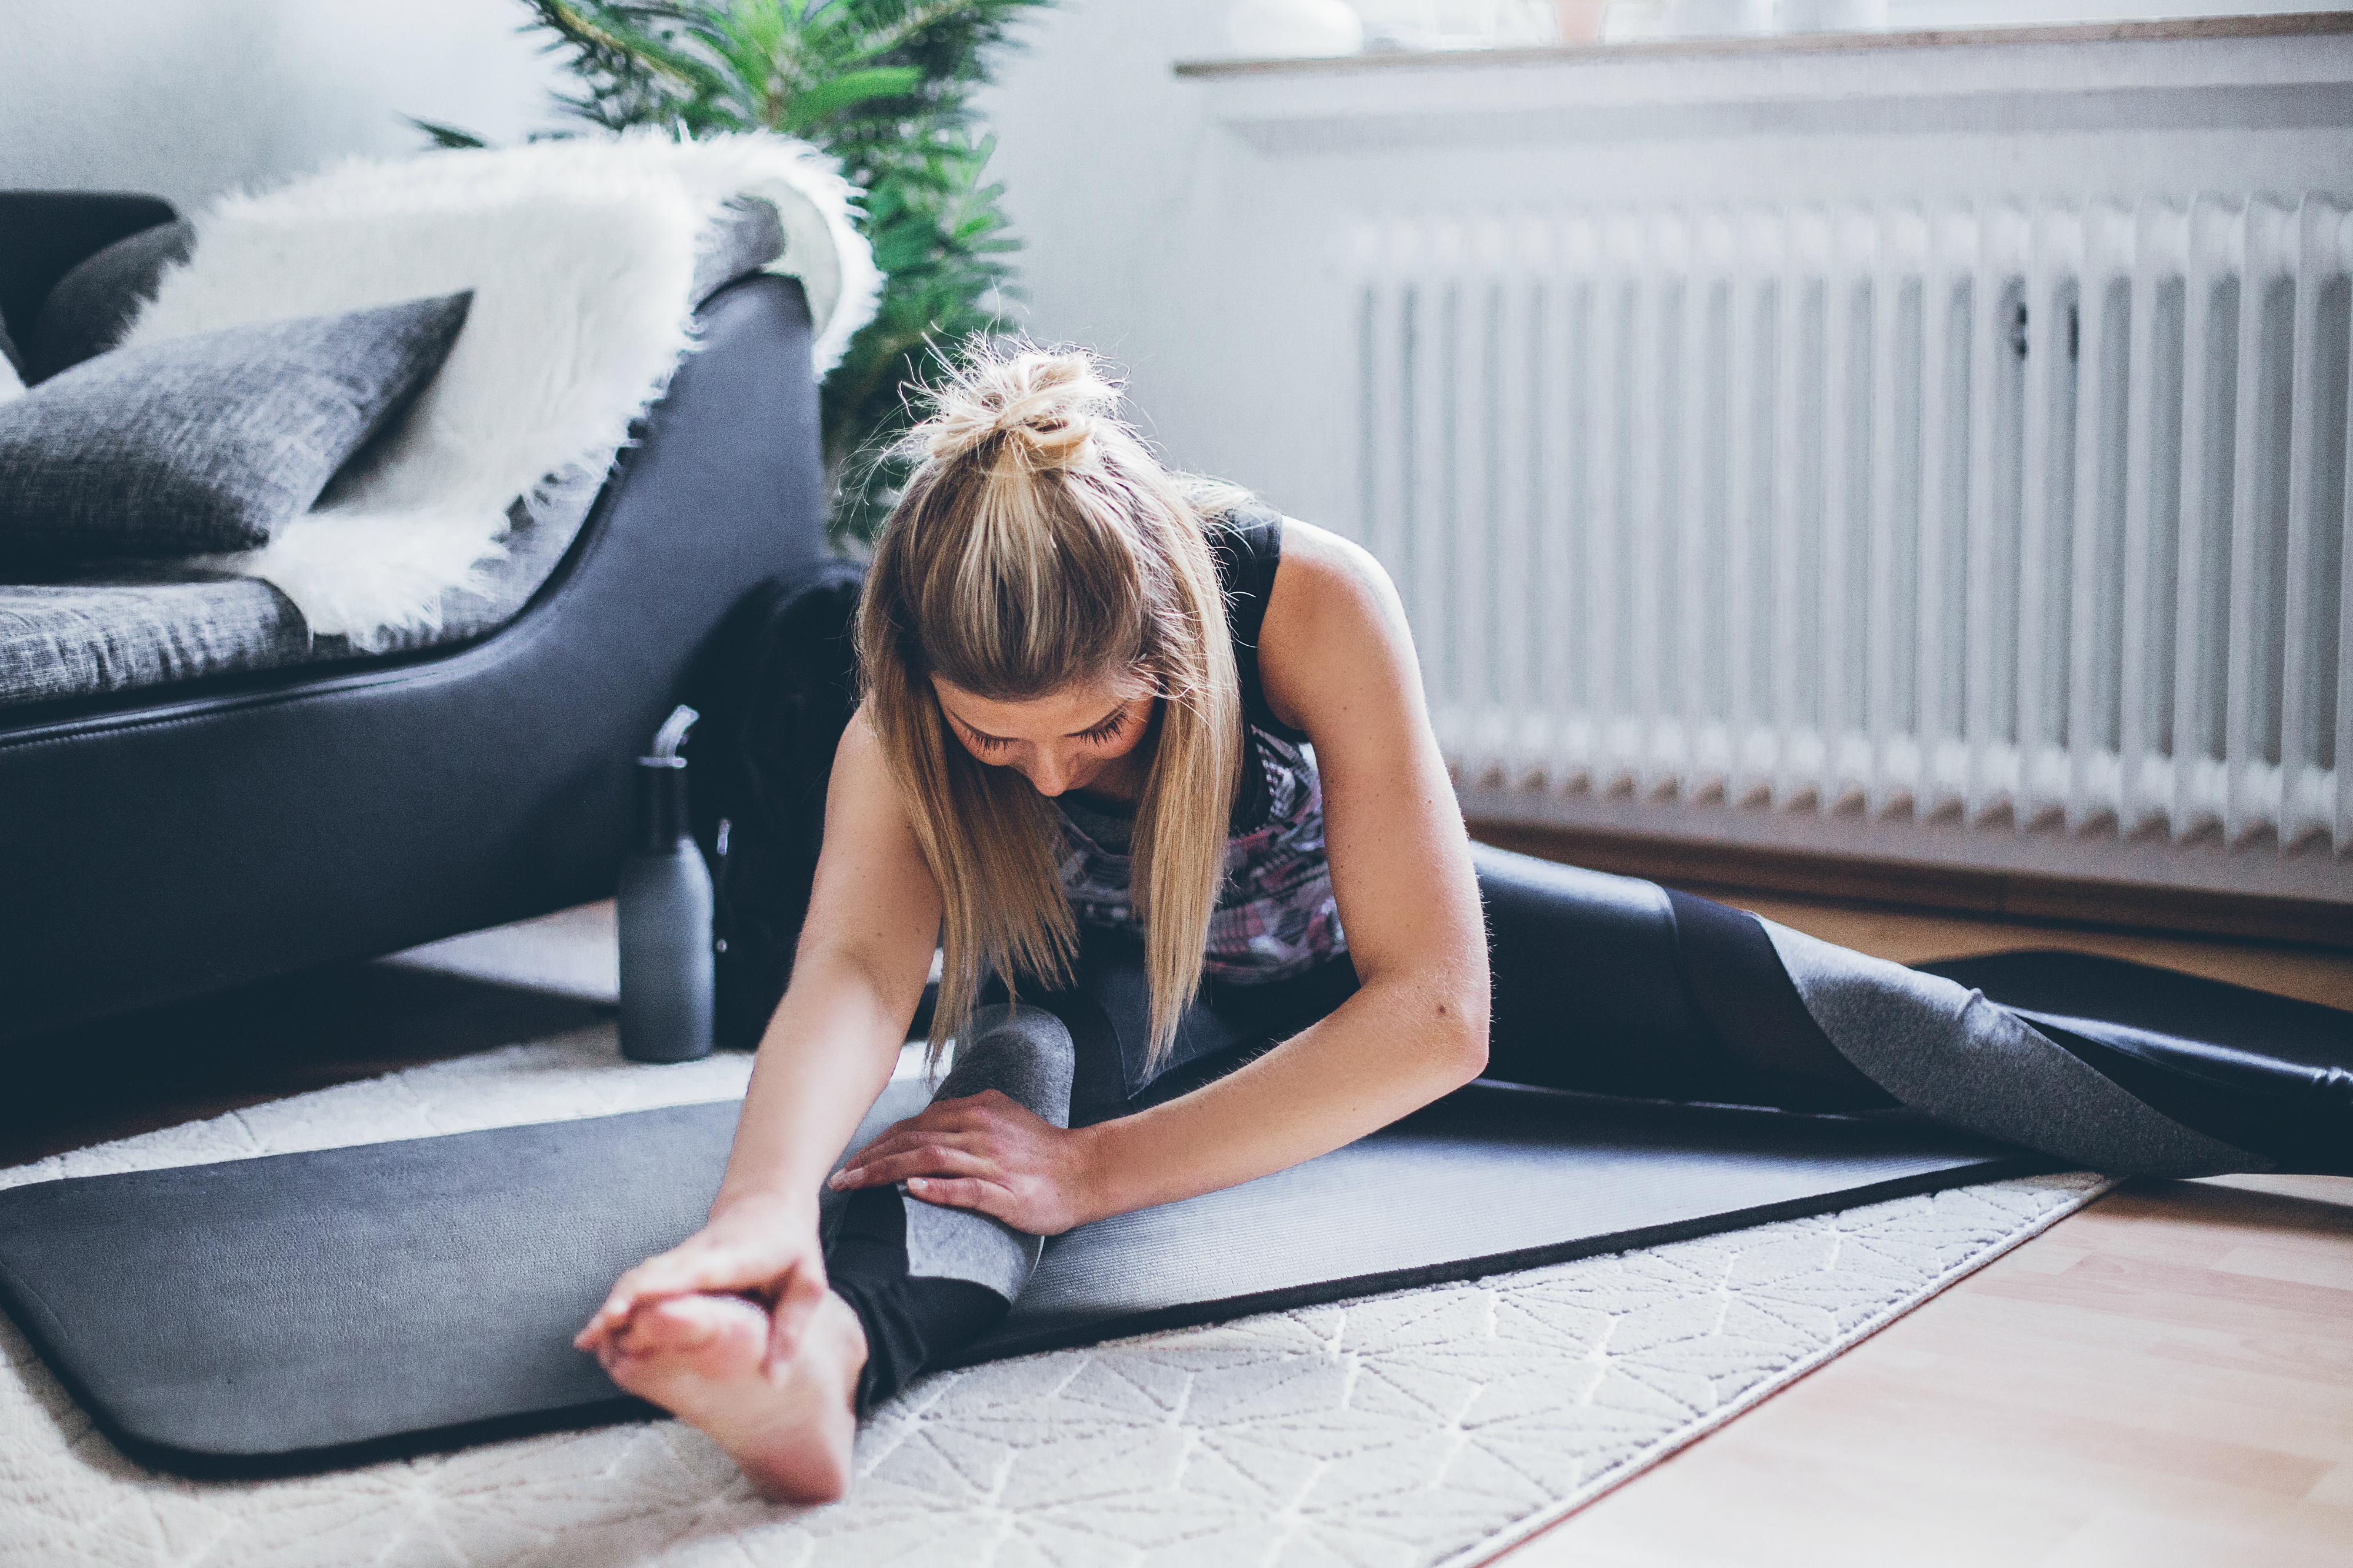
point(2263, 72)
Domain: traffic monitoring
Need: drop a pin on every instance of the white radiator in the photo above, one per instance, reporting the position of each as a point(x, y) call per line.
point(2009, 515)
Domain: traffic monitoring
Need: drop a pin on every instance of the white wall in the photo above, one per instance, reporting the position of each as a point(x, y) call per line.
point(186, 99)
point(1120, 187)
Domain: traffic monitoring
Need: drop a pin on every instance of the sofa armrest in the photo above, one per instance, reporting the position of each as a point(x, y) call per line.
point(44, 235)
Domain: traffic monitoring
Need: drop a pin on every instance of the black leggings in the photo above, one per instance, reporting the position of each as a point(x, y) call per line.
point(1610, 986)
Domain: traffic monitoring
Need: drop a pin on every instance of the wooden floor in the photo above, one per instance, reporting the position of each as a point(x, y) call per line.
point(2166, 1378)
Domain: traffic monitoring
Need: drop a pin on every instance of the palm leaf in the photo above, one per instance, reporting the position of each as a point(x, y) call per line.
point(447, 136)
point(882, 85)
point(828, 99)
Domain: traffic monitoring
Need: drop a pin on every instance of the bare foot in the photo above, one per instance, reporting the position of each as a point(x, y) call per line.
point(790, 1426)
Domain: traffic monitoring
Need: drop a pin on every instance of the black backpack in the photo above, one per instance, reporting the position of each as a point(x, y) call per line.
point(776, 688)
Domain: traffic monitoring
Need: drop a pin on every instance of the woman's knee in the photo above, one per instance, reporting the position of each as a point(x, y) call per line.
point(1024, 1053)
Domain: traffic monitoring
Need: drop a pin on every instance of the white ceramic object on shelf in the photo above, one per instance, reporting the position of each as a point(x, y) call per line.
point(1719, 18)
point(1294, 29)
point(1830, 16)
point(1578, 21)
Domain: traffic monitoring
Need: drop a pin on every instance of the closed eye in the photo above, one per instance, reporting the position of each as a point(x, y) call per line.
point(1101, 734)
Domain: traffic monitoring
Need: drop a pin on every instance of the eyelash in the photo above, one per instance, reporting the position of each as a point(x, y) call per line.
point(1102, 734)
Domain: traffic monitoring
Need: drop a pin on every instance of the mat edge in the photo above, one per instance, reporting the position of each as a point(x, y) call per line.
point(1520, 1531)
point(1324, 1293)
point(8, 1190)
point(192, 1464)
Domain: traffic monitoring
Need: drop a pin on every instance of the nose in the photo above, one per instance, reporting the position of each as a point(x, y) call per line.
point(1048, 775)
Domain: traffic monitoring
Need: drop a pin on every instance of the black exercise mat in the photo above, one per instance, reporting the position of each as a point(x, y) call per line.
point(304, 1311)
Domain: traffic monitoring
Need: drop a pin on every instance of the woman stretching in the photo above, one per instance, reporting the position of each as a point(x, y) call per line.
point(1150, 762)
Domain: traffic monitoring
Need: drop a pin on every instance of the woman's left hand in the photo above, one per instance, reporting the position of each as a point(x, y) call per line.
point(988, 1153)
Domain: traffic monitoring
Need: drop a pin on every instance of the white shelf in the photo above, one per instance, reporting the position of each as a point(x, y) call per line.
point(2261, 72)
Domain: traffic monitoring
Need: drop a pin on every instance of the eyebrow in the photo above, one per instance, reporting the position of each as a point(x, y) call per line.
point(1007, 740)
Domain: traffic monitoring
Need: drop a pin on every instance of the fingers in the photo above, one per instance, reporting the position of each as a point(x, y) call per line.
point(684, 1271)
point(805, 1291)
point(929, 1160)
point(608, 1329)
point(892, 1144)
point(614, 1338)
point(657, 1277)
point(963, 1114)
point(898, 1135)
point(669, 1325)
point(964, 1193)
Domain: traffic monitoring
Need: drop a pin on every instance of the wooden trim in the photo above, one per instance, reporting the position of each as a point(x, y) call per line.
point(2291, 25)
point(2004, 895)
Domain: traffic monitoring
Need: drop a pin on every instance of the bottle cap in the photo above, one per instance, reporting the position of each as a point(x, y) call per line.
point(663, 820)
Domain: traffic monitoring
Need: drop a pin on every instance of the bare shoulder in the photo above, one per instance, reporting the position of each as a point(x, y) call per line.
point(1332, 621)
point(1322, 573)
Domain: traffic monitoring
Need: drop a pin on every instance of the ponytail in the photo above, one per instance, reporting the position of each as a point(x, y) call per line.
point(1038, 544)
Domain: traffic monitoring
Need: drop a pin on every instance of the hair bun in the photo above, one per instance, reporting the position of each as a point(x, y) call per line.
point(1039, 405)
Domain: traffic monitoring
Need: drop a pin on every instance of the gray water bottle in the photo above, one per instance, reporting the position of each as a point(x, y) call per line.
point(665, 914)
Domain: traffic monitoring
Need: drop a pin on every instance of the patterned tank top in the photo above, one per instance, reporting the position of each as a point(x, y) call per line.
point(1276, 917)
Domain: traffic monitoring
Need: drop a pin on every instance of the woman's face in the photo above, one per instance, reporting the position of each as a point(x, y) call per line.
point(1082, 737)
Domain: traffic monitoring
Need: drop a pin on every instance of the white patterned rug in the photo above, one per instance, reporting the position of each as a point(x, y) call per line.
point(1429, 1427)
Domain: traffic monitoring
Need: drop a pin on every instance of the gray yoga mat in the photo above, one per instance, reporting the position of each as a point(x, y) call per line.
point(304, 1311)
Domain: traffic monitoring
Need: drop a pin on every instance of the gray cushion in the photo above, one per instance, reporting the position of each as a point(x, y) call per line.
point(84, 639)
point(142, 625)
point(210, 442)
point(86, 312)
point(9, 352)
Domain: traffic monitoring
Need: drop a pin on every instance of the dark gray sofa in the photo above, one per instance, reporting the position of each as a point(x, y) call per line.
point(168, 840)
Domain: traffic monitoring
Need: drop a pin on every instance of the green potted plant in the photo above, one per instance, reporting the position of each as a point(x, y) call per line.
point(885, 85)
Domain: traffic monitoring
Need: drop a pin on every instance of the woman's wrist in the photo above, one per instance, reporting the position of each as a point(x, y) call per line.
point(1098, 1173)
point(776, 1200)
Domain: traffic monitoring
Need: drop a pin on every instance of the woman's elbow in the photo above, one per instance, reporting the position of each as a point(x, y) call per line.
point(1461, 1035)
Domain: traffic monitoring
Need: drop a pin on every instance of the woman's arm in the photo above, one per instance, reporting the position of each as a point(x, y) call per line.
point(1337, 662)
point(857, 975)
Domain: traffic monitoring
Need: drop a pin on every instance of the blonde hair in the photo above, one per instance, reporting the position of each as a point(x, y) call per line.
point(1038, 544)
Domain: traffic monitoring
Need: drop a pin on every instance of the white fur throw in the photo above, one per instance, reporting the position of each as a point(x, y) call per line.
point(580, 253)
